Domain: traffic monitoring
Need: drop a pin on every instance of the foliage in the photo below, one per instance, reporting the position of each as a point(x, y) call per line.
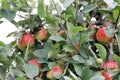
point(71, 42)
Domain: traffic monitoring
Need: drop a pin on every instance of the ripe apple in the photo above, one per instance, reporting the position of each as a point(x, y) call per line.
point(26, 39)
point(110, 65)
point(102, 37)
point(41, 34)
point(56, 70)
point(34, 61)
point(106, 75)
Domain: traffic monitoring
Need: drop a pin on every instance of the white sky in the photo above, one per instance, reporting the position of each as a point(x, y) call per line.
point(6, 28)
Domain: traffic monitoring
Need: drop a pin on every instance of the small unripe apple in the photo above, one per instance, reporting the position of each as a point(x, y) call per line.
point(26, 39)
point(99, 60)
point(41, 34)
point(106, 75)
point(34, 61)
point(56, 70)
point(102, 37)
point(110, 65)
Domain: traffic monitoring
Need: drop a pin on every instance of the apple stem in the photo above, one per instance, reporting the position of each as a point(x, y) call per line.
point(92, 52)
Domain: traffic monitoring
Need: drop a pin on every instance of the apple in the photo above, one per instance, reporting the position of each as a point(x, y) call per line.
point(102, 37)
point(41, 34)
point(91, 27)
point(110, 65)
point(34, 61)
point(106, 75)
point(99, 60)
point(26, 39)
point(56, 70)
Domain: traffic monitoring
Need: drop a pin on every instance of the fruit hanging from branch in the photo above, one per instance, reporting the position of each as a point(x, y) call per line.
point(35, 62)
point(41, 34)
point(27, 39)
point(106, 75)
point(102, 37)
point(55, 72)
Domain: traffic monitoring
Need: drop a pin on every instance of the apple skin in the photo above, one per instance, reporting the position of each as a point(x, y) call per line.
point(106, 75)
point(41, 34)
point(55, 69)
point(34, 61)
point(110, 65)
point(102, 37)
point(26, 39)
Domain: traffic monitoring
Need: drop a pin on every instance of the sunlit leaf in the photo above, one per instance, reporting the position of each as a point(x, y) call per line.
point(102, 50)
point(31, 70)
point(89, 8)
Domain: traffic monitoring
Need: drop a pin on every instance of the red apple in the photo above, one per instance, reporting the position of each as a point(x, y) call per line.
point(41, 34)
point(34, 61)
point(110, 65)
point(26, 39)
point(102, 36)
point(55, 70)
point(106, 75)
point(91, 27)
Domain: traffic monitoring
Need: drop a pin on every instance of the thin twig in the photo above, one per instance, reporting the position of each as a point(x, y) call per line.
point(117, 20)
point(92, 51)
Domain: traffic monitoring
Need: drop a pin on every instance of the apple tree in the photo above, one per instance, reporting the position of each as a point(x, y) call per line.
point(61, 40)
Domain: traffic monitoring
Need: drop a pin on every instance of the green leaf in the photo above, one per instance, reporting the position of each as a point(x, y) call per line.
point(20, 78)
point(78, 58)
point(97, 77)
point(78, 69)
point(41, 8)
point(79, 28)
point(83, 38)
point(115, 14)
point(56, 38)
point(117, 59)
point(4, 59)
point(86, 73)
point(52, 54)
point(67, 3)
point(2, 43)
point(67, 78)
point(31, 70)
point(51, 65)
point(8, 14)
point(102, 50)
point(89, 8)
point(68, 48)
point(110, 31)
point(70, 28)
point(2, 72)
point(42, 53)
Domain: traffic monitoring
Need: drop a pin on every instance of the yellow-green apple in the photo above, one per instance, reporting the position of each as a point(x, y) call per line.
point(102, 37)
point(35, 62)
point(55, 72)
point(26, 39)
point(41, 34)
